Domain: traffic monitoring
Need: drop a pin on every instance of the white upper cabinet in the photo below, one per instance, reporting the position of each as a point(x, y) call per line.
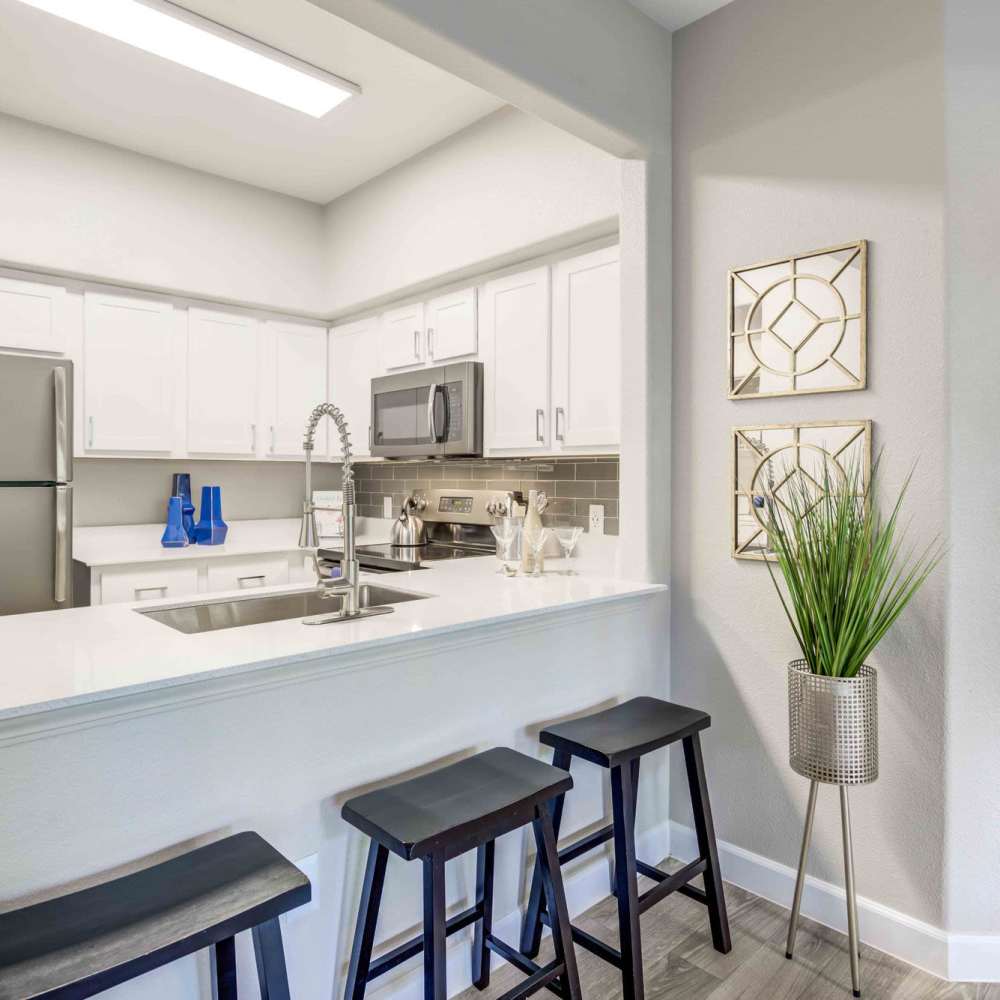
point(128, 374)
point(354, 362)
point(586, 351)
point(32, 316)
point(514, 317)
point(222, 383)
point(451, 326)
point(401, 337)
point(296, 380)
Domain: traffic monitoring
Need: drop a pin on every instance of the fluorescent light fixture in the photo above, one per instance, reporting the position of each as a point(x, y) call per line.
point(169, 31)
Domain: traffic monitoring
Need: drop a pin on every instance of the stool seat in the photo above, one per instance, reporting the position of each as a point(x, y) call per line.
point(626, 731)
point(88, 941)
point(459, 805)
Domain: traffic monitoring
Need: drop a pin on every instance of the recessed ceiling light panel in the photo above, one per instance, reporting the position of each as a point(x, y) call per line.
point(169, 31)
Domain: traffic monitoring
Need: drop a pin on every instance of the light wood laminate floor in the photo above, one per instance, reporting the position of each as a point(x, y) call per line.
point(681, 964)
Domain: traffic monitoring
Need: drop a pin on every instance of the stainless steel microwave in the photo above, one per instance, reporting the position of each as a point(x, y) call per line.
point(432, 412)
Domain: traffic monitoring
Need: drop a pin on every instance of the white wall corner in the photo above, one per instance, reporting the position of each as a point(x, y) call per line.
point(955, 957)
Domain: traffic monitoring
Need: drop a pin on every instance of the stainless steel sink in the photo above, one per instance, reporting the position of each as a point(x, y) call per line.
point(210, 616)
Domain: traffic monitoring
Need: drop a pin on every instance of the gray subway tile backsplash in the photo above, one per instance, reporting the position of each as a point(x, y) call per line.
point(571, 484)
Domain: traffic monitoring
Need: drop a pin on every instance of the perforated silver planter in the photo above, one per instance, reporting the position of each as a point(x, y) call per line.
point(833, 739)
point(833, 725)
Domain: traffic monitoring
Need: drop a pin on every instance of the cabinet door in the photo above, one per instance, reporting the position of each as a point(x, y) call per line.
point(401, 337)
point(31, 316)
point(354, 362)
point(222, 383)
point(148, 583)
point(586, 351)
point(128, 374)
point(451, 326)
point(298, 377)
point(514, 320)
point(247, 572)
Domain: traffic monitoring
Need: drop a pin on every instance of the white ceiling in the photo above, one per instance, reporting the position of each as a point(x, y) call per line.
point(674, 14)
point(57, 73)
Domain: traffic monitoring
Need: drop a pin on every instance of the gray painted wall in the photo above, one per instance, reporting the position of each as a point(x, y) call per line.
point(972, 77)
point(828, 128)
point(135, 490)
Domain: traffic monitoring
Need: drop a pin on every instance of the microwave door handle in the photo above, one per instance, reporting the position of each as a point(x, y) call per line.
point(431, 423)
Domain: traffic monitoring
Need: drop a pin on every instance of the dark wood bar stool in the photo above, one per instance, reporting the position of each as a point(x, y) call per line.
point(437, 817)
point(85, 942)
point(616, 739)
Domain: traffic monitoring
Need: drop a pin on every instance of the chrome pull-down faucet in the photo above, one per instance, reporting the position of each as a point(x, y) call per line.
point(347, 588)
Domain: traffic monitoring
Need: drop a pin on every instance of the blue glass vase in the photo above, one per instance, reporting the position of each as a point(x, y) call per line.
point(211, 529)
point(182, 488)
point(174, 535)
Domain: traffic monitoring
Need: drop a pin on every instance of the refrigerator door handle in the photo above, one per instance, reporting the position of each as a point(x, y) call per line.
point(63, 553)
point(62, 425)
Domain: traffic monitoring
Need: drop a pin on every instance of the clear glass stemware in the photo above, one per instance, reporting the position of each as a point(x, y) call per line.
point(536, 543)
point(568, 537)
point(507, 532)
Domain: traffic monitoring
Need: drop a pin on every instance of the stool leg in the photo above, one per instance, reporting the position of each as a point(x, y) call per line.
point(270, 961)
point(633, 775)
point(484, 925)
point(707, 847)
point(224, 960)
point(364, 932)
point(800, 879)
point(531, 928)
point(551, 878)
point(626, 883)
point(435, 931)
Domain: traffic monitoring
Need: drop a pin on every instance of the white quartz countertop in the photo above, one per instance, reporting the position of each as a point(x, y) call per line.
point(140, 543)
point(58, 659)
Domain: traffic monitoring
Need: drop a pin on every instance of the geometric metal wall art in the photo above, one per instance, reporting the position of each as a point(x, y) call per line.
point(799, 324)
point(771, 459)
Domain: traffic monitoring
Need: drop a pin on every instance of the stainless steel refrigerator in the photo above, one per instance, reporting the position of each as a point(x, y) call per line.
point(36, 484)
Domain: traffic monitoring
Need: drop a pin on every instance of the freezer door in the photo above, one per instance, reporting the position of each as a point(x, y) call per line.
point(36, 415)
point(36, 548)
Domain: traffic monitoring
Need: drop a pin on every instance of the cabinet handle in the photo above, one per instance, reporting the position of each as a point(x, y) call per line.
point(430, 343)
point(539, 425)
point(253, 438)
point(90, 432)
point(145, 590)
point(416, 344)
point(560, 435)
point(274, 446)
point(245, 579)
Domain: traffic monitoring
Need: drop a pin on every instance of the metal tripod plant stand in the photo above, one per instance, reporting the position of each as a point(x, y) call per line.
point(833, 740)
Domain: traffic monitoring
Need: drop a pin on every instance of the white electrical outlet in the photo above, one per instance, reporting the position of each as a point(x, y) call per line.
point(596, 526)
point(387, 506)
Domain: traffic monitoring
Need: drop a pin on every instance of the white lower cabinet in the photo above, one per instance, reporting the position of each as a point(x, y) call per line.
point(247, 573)
point(514, 330)
point(148, 583)
point(586, 351)
point(354, 362)
point(222, 383)
point(128, 374)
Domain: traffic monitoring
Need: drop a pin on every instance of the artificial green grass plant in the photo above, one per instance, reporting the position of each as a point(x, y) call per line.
point(844, 566)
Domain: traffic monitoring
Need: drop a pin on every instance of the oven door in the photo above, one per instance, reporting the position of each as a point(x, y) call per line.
point(432, 412)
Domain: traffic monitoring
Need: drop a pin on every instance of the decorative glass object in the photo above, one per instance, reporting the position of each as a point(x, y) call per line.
point(536, 543)
point(770, 459)
point(507, 532)
point(567, 538)
point(799, 324)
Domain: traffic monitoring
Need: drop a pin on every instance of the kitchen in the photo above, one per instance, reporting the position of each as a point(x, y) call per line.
point(361, 367)
point(470, 263)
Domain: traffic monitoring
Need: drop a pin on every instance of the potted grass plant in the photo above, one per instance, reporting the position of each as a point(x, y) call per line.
point(844, 573)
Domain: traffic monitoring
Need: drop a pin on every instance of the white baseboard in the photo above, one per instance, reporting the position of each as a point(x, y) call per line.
point(957, 957)
point(587, 883)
